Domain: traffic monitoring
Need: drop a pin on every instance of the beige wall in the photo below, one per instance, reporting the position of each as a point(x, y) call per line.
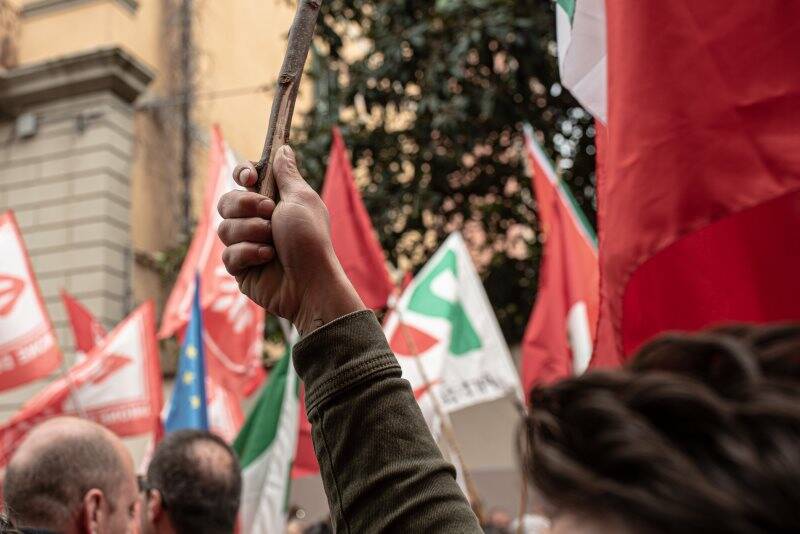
point(239, 48)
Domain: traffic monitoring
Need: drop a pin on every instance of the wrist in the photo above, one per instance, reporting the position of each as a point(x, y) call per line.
point(326, 299)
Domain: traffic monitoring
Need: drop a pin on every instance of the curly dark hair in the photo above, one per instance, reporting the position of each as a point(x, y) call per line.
point(698, 433)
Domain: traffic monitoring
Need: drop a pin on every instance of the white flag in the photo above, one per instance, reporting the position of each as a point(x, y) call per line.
point(581, 29)
point(446, 337)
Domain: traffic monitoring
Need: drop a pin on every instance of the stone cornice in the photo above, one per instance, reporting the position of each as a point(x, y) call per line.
point(42, 6)
point(102, 69)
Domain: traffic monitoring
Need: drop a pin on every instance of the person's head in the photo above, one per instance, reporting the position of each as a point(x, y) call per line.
point(72, 476)
point(193, 485)
point(699, 433)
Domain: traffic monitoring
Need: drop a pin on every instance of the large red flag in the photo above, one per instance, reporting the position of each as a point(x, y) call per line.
point(353, 236)
point(558, 339)
point(86, 329)
point(233, 324)
point(118, 385)
point(700, 205)
point(28, 344)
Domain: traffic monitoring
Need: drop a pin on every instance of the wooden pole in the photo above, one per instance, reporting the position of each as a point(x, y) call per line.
point(447, 427)
point(280, 120)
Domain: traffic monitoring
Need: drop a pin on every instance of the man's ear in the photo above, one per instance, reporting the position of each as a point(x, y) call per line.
point(93, 511)
point(155, 508)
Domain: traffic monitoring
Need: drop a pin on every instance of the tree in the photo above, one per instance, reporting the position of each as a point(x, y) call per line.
point(431, 97)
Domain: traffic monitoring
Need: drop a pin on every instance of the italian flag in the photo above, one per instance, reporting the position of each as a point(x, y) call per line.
point(581, 30)
point(266, 448)
point(558, 338)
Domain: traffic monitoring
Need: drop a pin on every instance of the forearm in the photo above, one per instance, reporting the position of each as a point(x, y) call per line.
point(381, 468)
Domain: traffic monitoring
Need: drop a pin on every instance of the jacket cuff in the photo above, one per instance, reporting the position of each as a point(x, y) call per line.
point(342, 354)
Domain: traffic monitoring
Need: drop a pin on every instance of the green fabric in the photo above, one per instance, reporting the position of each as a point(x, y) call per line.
point(261, 426)
point(569, 7)
point(381, 469)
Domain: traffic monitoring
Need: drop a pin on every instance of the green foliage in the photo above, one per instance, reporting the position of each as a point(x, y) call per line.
point(431, 97)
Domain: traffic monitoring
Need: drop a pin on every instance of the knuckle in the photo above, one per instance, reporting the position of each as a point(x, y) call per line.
point(222, 206)
point(307, 196)
point(227, 260)
point(224, 231)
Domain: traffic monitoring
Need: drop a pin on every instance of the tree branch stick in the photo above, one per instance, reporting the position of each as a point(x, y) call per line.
point(280, 120)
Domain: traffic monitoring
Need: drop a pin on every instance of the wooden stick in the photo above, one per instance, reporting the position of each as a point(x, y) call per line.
point(280, 120)
point(447, 427)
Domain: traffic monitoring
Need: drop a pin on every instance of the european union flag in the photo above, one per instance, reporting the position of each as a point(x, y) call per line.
point(188, 406)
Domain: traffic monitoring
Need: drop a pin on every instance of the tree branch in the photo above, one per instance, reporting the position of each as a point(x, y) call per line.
point(280, 119)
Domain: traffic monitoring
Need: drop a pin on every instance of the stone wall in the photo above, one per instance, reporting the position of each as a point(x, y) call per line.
point(68, 179)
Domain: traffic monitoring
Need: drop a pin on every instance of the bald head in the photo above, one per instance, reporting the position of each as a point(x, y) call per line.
point(198, 477)
point(56, 465)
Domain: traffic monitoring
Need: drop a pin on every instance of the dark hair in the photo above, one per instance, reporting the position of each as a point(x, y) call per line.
point(699, 433)
point(45, 490)
point(198, 476)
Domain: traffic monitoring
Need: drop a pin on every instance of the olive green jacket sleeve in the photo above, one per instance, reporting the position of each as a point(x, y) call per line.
point(381, 469)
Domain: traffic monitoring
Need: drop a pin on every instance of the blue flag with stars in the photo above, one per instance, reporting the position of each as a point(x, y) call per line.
point(188, 406)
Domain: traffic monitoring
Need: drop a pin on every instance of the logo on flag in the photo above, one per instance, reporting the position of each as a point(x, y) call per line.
point(28, 346)
point(118, 385)
point(446, 337)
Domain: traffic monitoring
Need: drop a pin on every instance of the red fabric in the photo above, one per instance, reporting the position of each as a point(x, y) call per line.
point(86, 329)
point(697, 221)
point(305, 459)
point(568, 274)
point(233, 324)
point(352, 233)
point(28, 345)
point(118, 385)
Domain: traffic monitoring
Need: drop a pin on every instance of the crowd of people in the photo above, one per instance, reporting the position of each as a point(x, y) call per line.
point(699, 433)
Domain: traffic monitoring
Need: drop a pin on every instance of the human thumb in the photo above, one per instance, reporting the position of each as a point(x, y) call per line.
point(287, 177)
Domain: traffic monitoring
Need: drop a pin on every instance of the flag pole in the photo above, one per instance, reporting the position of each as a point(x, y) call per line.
point(447, 427)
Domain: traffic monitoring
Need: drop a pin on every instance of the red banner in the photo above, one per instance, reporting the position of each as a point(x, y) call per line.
point(28, 344)
point(118, 385)
point(233, 324)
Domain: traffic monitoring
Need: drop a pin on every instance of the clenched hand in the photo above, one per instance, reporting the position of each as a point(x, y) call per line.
point(281, 255)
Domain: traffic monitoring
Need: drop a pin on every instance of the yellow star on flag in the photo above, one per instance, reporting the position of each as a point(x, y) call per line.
point(195, 402)
point(188, 377)
point(191, 352)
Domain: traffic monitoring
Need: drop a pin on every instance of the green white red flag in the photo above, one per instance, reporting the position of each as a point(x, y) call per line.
point(558, 338)
point(266, 447)
point(446, 337)
point(698, 211)
point(582, 57)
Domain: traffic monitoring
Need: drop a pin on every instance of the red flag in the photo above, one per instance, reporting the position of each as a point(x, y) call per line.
point(86, 329)
point(558, 338)
point(28, 344)
point(701, 203)
point(118, 385)
point(233, 324)
point(353, 236)
point(305, 460)
point(225, 415)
